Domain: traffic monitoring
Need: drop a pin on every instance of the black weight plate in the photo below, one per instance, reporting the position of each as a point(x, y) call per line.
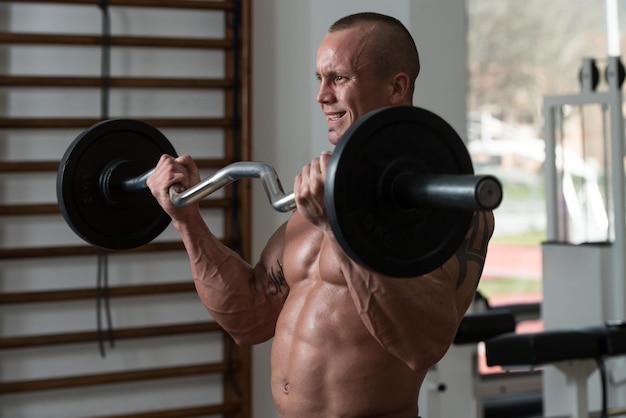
point(373, 230)
point(133, 218)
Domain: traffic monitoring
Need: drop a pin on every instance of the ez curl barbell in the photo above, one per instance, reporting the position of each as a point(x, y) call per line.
point(400, 192)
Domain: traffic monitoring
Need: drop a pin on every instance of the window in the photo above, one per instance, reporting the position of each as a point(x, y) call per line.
point(518, 53)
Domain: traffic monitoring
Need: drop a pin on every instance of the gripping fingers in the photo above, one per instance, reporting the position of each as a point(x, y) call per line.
point(313, 178)
point(180, 172)
point(317, 173)
point(324, 159)
point(190, 169)
point(310, 182)
point(309, 190)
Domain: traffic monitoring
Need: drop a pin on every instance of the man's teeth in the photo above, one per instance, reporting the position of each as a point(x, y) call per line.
point(335, 116)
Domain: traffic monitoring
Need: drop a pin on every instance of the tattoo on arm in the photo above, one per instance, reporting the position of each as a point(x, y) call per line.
point(473, 249)
point(276, 279)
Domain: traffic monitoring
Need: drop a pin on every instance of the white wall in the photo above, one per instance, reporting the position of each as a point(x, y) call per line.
point(288, 128)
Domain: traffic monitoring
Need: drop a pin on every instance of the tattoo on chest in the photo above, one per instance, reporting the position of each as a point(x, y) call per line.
point(473, 248)
point(276, 279)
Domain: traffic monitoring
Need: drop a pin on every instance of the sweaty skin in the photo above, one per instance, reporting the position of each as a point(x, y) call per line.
point(348, 342)
point(339, 351)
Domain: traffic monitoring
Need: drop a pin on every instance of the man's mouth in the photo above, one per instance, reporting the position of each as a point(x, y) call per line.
point(335, 116)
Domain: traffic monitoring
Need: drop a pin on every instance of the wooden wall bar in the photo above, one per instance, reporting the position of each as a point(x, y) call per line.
point(233, 206)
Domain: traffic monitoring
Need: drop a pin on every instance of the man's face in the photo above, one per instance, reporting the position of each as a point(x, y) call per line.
point(349, 87)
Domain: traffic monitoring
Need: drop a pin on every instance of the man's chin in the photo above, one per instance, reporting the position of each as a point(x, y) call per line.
point(333, 137)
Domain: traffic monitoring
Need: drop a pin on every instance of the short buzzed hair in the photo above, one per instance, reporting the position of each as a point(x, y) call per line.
point(393, 48)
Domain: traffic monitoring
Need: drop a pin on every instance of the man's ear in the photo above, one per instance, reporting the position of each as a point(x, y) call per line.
point(399, 88)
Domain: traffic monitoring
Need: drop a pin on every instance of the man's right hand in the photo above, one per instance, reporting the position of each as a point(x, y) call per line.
point(182, 172)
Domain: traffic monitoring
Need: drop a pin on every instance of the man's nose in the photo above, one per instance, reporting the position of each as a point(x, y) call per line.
point(325, 93)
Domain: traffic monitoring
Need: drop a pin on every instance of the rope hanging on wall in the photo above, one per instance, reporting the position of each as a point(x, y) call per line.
point(102, 281)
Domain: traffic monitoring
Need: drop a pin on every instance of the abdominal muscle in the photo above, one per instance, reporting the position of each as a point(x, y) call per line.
point(326, 363)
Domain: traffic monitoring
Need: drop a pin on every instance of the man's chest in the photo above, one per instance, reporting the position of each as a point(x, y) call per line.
point(309, 255)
